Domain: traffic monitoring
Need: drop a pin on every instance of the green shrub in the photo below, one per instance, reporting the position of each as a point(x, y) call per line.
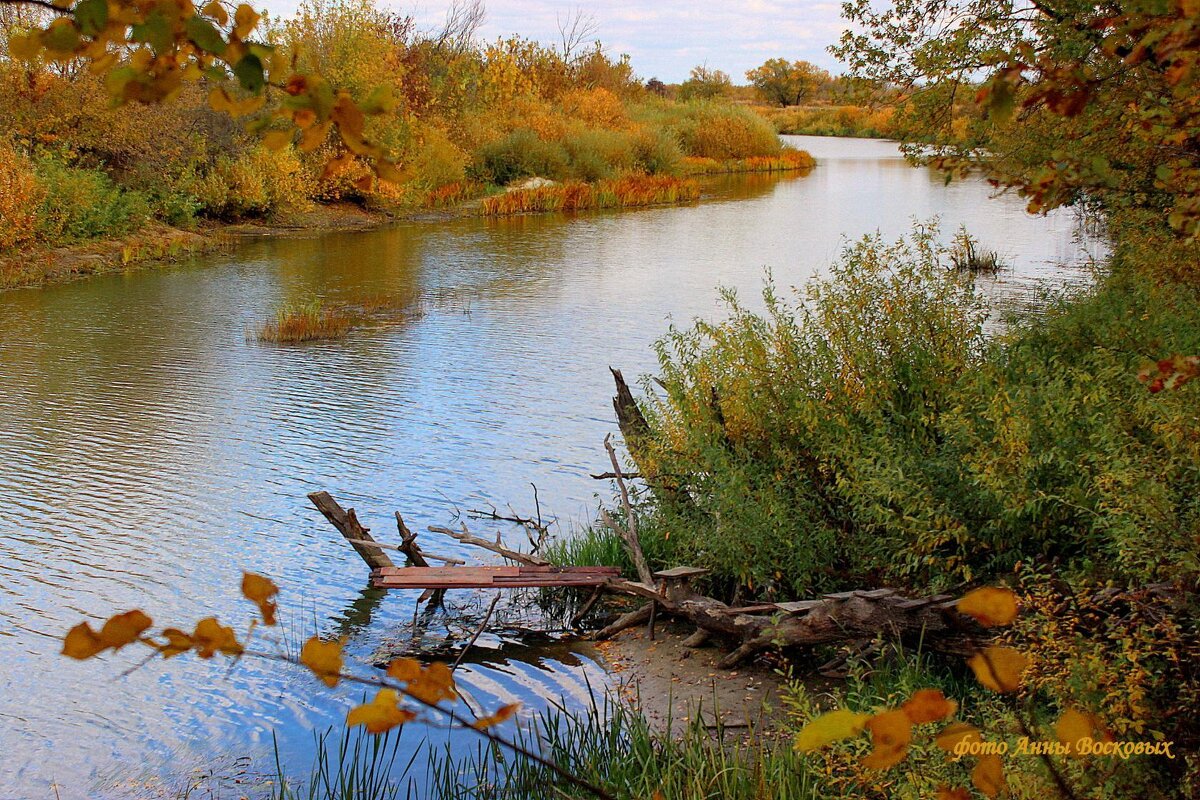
point(438, 161)
point(85, 204)
point(520, 154)
point(866, 433)
point(657, 152)
point(597, 154)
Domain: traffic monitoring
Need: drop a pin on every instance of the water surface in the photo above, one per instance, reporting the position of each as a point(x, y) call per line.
point(152, 450)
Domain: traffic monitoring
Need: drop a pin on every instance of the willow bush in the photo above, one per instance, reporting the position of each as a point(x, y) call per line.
point(864, 432)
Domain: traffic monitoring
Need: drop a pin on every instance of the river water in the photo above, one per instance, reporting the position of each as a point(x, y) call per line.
point(152, 450)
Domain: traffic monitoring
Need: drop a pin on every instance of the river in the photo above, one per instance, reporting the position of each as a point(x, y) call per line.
point(152, 450)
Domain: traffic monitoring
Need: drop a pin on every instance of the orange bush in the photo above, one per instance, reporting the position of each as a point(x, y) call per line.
point(20, 195)
point(595, 107)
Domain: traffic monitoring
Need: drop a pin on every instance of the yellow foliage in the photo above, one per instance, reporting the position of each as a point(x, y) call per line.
point(381, 714)
point(260, 591)
point(211, 637)
point(829, 728)
point(952, 735)
point(999, 668)
point(988, 775)
point(596, 107)
point(324, 659)
point(891, 733)
point(20, 195)
point(990, 606)
point(501, 714)
point(81, 642)
point(928, 705)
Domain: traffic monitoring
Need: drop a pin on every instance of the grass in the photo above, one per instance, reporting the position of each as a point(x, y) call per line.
point(625, 192)
point(306, 322)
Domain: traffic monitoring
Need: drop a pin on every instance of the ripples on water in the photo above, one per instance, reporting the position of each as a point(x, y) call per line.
point(152, 452)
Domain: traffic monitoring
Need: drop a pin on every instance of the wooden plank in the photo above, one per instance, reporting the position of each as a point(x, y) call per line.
point(454, 572)
point(682, 572)
point(391, 582)
point(799, 606)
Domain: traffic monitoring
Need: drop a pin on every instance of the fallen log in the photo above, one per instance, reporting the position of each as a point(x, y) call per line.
point(512, 555)
point(850, 617)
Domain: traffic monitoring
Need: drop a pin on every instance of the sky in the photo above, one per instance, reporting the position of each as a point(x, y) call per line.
point(664, 38)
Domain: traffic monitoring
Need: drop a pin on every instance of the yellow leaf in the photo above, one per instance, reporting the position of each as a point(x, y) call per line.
point(951, 735)
point(891, 733)
point(177, 642)
point(220, 101)
point(502, 713)
point(1072, 726)
point(946, 793)
point(436, 682)
point(988, 775)
point(24, 46)
point(381, 714)
point(124, 629)
point(404, 669)
point(211, 637)
point(999, 668)
point(313, 137)
point(829, 728)
point(928, 705)
point(364, 183)
point(324, 659)
point(276, 140)
point(261, 591)
point(244, 20)
point(990, 606)
point(216, 12)
point(81, 642)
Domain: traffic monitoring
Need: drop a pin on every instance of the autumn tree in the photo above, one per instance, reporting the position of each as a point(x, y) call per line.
point(706, 84)
point(1085, 103)
point(787, 83)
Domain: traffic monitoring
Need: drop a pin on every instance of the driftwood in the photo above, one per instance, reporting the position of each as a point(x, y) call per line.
point(845, 617)
point(348, 525)
point(465, 537)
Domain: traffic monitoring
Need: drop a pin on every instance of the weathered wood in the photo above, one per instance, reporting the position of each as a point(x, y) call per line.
point(348, 525)
point(625, 621)
point(512, 555)
point(387, 546)
point(628, 532)
point(489, 577)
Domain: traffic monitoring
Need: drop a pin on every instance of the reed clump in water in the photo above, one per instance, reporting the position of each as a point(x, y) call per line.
point(788, 160)
point(967, 256)
point(625, 192)
point(306, 322)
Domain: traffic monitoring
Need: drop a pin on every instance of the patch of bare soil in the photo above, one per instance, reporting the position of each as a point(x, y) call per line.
point(672, 684)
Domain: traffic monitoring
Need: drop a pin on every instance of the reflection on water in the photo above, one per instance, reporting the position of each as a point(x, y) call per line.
point(152, 452)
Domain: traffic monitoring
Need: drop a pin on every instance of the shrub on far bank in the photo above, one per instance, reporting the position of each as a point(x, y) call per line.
point(256, 183)
point(20, 197)
point(83, 204)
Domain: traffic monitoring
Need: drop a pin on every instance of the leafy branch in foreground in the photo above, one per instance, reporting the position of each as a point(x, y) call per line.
point(1000, 669)
point(426, 686)
point(148, 49)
